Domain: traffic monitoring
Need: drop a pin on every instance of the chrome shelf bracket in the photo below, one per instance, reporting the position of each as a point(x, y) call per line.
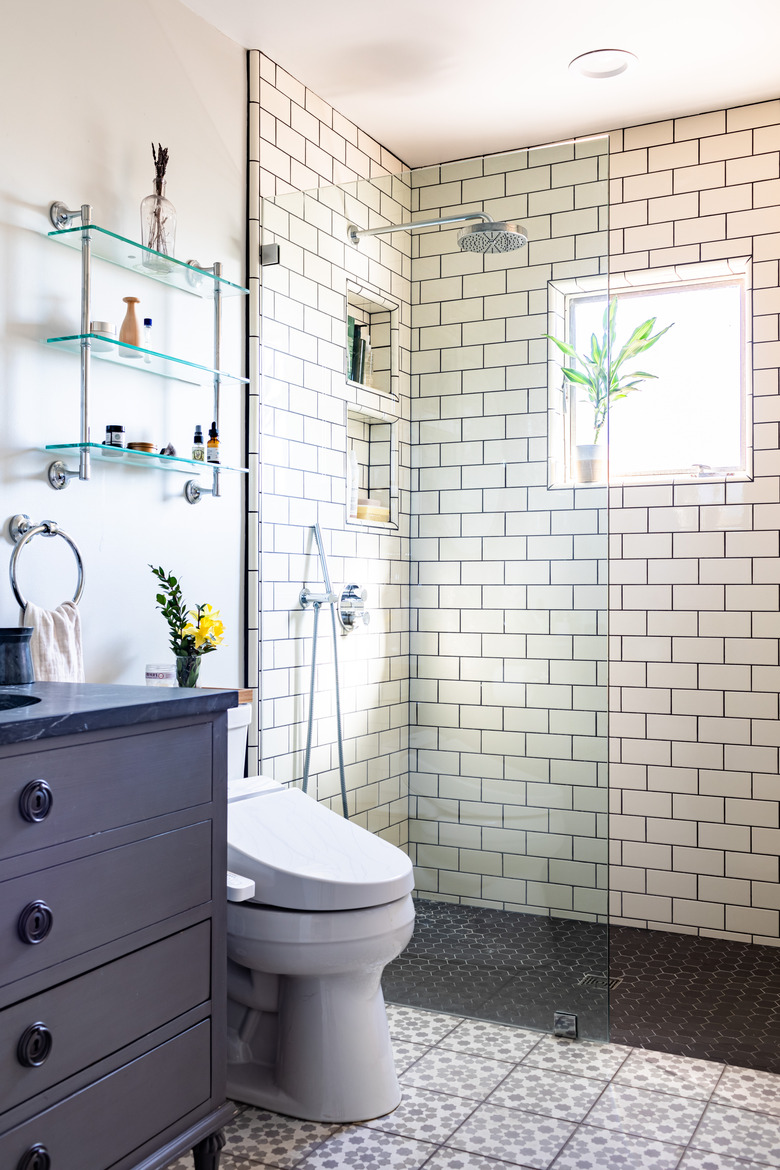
point(194, 489)
point(62, 216)
point(59, 475)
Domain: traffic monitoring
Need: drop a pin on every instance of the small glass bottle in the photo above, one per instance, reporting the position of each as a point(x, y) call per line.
point(212, 447)
point(147, 338)
point(198, 447)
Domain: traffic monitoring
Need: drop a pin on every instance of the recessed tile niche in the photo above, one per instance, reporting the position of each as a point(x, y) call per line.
point(378, 318)
point(372, 415)
point(373, 436)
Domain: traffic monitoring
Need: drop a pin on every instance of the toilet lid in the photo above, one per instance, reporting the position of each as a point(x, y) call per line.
point(302, 856)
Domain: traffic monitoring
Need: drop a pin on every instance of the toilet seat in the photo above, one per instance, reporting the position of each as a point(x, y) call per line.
point(302, 856)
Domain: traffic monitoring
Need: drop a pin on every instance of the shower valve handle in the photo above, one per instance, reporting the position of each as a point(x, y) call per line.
point(351, 608)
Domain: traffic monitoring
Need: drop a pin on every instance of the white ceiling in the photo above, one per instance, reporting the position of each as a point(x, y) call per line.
point(434, 80)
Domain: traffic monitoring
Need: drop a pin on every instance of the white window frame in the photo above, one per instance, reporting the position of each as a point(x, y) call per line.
point(561, 397)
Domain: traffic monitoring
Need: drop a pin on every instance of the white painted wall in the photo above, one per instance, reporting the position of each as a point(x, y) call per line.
point(84, 90)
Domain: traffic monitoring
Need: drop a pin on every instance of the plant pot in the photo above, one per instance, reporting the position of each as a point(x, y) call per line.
point(591, 463)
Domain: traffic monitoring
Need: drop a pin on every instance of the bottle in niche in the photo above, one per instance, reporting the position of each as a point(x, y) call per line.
point(212, 447)
point(158, 218)
point(198, 446)
point(130, 329)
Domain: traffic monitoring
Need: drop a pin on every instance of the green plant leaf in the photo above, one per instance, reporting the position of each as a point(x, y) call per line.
point(563, 346)
point(576, 376)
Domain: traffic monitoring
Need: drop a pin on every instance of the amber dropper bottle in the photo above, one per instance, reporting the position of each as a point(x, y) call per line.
point(212, 447)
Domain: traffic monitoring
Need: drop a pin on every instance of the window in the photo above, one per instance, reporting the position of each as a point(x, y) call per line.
point(691, 419)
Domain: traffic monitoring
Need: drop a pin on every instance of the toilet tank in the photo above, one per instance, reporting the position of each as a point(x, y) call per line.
point(239, 719)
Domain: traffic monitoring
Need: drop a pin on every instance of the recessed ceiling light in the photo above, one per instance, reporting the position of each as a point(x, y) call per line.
point(602, 63)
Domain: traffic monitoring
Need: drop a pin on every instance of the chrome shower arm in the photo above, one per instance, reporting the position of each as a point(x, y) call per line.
point(355, 234)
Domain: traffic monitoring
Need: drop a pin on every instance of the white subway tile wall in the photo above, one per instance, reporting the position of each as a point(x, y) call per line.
point(508, 595)
point(302, 415)
point(694, 568)
point(508, 772)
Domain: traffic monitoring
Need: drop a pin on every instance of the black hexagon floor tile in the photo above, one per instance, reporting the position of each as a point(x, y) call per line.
point(708, 998)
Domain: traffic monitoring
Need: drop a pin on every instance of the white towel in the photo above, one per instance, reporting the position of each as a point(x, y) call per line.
point(56, 642)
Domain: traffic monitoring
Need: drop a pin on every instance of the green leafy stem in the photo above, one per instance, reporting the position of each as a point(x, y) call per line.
point(601, 374)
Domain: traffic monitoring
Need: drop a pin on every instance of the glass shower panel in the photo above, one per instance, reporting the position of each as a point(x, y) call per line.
point(485, 559)
point(320, 414)
point(508, 770)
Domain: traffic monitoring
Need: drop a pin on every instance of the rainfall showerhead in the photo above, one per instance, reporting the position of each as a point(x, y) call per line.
point(488, 235)
point(494, 236)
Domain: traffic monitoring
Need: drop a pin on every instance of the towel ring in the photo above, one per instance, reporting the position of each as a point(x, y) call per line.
point(23, 531)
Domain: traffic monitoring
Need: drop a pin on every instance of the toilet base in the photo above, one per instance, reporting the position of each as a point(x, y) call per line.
point(335, 1058)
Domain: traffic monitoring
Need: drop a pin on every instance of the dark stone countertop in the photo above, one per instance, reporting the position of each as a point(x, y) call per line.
point(71, 708)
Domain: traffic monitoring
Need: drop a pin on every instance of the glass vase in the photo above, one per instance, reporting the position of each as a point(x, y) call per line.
point(187, 669)
point(158, 228)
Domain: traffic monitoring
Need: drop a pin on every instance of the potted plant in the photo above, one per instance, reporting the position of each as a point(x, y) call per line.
point(193, 632)
point(605, 380)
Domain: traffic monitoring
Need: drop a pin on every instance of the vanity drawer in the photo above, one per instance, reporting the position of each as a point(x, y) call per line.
point(53, 1035)
point(74, 790)
point(105, 1122)
point(68, 909)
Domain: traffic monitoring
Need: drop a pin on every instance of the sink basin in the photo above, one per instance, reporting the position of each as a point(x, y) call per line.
point(8, 701)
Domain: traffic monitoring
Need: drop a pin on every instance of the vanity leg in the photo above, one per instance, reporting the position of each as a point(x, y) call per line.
point(206, 1153)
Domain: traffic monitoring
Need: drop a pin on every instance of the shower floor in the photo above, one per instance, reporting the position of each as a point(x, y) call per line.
point(700, 997)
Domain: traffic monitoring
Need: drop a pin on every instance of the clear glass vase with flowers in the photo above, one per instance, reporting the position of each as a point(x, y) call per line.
point(193, 632)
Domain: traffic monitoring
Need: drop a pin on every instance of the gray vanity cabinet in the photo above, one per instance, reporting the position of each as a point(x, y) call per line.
point(112, 947)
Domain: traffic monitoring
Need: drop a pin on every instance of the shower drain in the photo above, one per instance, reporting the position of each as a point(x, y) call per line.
point(602, 981)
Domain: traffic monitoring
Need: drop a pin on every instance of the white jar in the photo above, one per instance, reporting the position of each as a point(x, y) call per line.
point(161, 674)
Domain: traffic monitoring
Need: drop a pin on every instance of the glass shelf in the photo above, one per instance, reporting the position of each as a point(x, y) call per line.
point(136, 258)
point(142, 458)
point(145, 360)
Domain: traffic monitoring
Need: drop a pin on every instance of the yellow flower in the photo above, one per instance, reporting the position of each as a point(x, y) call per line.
point(207, 629)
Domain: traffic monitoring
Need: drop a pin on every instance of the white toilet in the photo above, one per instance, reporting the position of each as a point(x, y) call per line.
point(307, 1030)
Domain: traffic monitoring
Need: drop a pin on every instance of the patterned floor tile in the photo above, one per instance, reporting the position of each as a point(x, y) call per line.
point(553, 1094)
point(598, 1149)
point(405, 1054)
point(739, 1133)
point(431, 1117)
point(418, 1027)
point(580, 1057)
point(365, 1149)
point(239, 1164)
point(446, 1159)
point(456, 1072)
point(273, 1139)
point(511, 1136)
point(747, 1088)
point(699, 1160)
point(498, 1041)
point(651, 1115)
point(664, 1073)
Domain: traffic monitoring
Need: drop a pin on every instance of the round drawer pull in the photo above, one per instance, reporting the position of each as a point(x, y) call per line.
point(35, 922)
point(35, 801)
point(34, 1046)
point(36, 1158)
